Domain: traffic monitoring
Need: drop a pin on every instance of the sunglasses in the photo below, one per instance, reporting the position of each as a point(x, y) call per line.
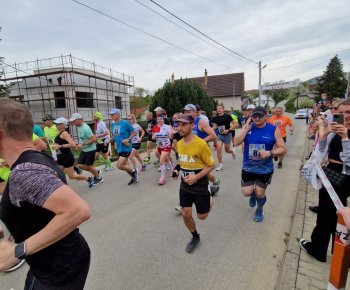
point(334, 108)
point(260, 116)
point(129, 119)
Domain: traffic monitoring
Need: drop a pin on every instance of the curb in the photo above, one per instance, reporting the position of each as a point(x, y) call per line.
point(289, 269)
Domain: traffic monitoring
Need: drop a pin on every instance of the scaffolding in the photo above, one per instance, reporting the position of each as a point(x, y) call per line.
point(37, 83)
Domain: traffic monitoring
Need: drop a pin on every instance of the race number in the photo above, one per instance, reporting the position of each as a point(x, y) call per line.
point(221, 129)
point(187, 173)
point(254, 151)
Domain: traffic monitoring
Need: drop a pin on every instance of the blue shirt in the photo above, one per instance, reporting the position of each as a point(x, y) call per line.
point(38, 131)
point(255, 140)
point(196, 130)
point(121, 131)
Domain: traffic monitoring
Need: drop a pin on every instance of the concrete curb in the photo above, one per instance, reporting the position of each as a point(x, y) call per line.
point(289, 269)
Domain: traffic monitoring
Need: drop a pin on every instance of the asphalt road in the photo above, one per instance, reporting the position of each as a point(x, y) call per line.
point(138, 240)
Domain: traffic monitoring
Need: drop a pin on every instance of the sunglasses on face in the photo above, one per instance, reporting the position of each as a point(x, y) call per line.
point(129, 119)
point(260, 116)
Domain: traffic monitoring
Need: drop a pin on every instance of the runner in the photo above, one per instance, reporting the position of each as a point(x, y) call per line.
point(38, 131)
point(196, 162)
point(242, 120)
point(102, 135)
point(162, 134)
point(281, 122)
point(136, 142)
point(233, 131)
point(87, 146)
point(50, 132)
point(65, 158)
point(176, 135)
point(223, 124)
point(161, 111)
point(151, 123)
point(212, 125)
point(259, 138)
point(123, 133)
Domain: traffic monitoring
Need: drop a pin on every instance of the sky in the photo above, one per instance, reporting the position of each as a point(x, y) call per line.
point(295, 39)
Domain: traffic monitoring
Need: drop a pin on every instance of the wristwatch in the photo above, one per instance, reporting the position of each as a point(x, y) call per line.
point(130, 138)
point(271, 152)
point(20, 251)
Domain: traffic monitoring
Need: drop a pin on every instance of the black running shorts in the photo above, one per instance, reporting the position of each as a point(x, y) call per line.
point(124, 154)
point(202, 201)
point(100, 147)
point(261, 180)
point(87, 158)
point(66, 160)
point(136, 146)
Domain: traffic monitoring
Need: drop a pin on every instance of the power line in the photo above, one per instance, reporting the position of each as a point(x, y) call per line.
point(133, 27)
point(191, 32)
point(309, 60)
point(202, 33)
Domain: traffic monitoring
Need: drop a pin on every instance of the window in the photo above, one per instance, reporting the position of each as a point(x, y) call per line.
point(84, 100)
point(17, 98)
point(118, 102)
point(60, 101)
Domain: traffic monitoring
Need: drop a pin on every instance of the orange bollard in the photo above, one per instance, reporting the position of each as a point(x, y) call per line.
point(341, 257)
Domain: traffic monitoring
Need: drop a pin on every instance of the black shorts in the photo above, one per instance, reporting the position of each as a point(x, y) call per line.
point(136, 146)
point(233, 132)
point(66, 160)
point(261, 180)
point(202, 201)
point(87, 158)
point(124, 154)
point(149, 138)
point(285, 139)
point(177, 137)
point(100, 147)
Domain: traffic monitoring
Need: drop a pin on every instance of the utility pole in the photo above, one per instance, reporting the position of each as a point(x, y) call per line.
point(259, 83)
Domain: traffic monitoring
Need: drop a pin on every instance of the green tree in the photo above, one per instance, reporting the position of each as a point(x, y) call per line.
point(332, 82)
point(173, 97)
point(137, 102)
point(306, 103)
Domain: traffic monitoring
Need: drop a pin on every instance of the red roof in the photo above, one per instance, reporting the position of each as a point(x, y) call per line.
point(223, 85)
point(138, 111)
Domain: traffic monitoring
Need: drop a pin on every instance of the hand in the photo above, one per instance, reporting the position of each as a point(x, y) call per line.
point(226, 132)
point(7, 258)
point(148, 130)
point(1, 233)
point(290, 132)
point(4, 164)
point(342, 131)
point(191, 179)
point(79, 146)
point(264, 154)
point(125, 141)
point(177, 175)
point(55, 147)
point(332, 127)
point(345, 212)
point(321, 121)
point(248, 124)
point(106, 143)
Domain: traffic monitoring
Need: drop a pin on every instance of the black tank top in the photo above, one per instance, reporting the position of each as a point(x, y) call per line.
point(335, 147)
point(60, 141)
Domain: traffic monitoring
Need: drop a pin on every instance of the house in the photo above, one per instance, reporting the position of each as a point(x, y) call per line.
point(265, 101)
point(63, 85)
point(140, 113)
point(227, 89)
point(305, 96)
point(313, 84)
point(246, 102)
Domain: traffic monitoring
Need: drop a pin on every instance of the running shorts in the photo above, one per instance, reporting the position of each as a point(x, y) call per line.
point(226, 139)
point(166, 149)
point(149, 138)
point(285, 139)
point(136, 146)
point(124, 154)
point(261, 180)
point(201, 201)
point(66, 160)
point(233, 132)
point(100, 147)
point(87, 158)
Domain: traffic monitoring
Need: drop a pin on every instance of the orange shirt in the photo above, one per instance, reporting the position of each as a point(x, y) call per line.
point(281, 123)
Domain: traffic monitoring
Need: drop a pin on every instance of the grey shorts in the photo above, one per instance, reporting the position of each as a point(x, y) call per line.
point(226, 139)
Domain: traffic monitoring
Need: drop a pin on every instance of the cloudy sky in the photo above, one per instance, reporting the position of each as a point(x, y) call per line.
point(296, 39)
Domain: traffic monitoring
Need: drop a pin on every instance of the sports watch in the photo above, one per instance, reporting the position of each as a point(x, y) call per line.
point(20, 251)
point(271, 152)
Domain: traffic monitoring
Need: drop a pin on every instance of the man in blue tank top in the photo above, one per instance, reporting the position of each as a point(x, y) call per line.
point(259, 138)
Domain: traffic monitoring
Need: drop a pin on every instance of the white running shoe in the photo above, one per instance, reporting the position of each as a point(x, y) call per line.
point(178, 208)
point(234, 154)
point(221, 167)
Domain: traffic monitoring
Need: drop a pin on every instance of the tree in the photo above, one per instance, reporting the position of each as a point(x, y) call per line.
point(332, 82)
point(4, 89)
point(173, 97)
point(306, 103)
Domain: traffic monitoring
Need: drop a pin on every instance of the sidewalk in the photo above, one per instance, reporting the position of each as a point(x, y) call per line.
point(299, 270)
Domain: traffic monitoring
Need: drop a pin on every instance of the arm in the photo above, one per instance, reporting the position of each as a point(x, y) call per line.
point(142, 134)
point(245, 129)
point(68, 138)
point(91, 140)
point(204, 126)
point(281, 146)
point(234, 125)
point(39, 144)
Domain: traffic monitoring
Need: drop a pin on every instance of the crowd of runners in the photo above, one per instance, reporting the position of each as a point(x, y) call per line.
point(189, 134)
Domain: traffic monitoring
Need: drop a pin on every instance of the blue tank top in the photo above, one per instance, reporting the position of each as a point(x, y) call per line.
point(255, 140)
point(196, 130)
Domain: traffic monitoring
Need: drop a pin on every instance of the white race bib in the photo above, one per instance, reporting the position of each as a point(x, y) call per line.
point(254, 151)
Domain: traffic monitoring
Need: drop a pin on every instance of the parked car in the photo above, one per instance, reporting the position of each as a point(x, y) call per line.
point(301, 114)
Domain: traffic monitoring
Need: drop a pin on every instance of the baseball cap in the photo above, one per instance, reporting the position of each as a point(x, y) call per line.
point(61, 121)
point(114, 111)
point(47, 117)
point(98, 115)
point(259, 110)
point(245, 108)
point(75, 116)
point(198, 108)
point(185, 118)
point(190, 107)
point(158, 108)
point(251, 106)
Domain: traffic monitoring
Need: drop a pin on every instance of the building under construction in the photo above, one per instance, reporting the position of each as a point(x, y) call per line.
point(61, 86)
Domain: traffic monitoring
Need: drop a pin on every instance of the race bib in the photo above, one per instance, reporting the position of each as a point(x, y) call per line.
point(159, 142)
point(187, 173)
point(221, 129)
point(254, 151)
point(278, 123)
point(116, 130)
point(50, 140)
point(149, 126)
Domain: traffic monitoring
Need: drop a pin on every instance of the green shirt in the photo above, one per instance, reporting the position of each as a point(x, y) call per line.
point(84, 134)
point(50, 134)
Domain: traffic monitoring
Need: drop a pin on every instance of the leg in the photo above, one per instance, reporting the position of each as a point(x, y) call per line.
point(70, 173)
point(92, 169)
point(219, 151)
point(188, 219)
point(131, 157)
point(138, 157)
point(122, 164)
point(227, 148)
point(149, 143)
point(205, 215)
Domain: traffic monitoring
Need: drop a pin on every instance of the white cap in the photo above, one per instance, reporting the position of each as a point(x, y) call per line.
point(251, 106)
point(157, 109)
point(75, 116)
point(61, 121)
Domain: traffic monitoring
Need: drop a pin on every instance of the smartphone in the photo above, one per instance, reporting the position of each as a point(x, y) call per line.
point(339, 118)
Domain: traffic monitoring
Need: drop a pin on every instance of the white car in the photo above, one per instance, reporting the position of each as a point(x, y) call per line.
point(301, 114)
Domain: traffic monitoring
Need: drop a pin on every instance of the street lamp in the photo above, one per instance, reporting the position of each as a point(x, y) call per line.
point(260, 69)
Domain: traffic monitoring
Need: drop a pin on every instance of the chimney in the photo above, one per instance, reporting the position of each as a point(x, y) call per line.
point(172, 78)
point(205, 79)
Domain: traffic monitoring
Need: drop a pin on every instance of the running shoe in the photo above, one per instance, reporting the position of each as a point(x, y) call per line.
point(252, 199)
point(159, 169)
point(79, 171)
point(109, 168)
point(279, 165)
point(90, 181)
point(217, 182)
point(19, 264)
point(221, 167)
point(259, 215)
point(234, 154)
point(98, 181)
point(156, 163)
point(106, 166)
point(147, 160)
point(161, 181)
point(143, 168)
point(178, 208)
point(213, 190)
point(192, 244)
point(133, 180)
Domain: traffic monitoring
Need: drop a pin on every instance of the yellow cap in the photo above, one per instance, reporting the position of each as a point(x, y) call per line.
point(98, 115)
